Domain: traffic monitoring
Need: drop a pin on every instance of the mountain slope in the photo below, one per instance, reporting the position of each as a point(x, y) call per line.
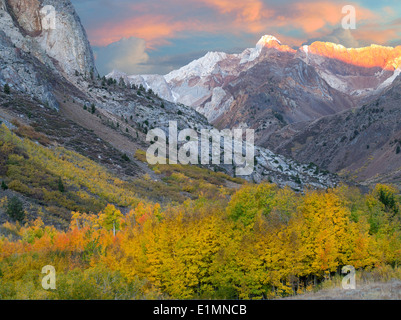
point(363, 143)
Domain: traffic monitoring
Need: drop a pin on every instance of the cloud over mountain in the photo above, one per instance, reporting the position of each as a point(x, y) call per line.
point(127, 54)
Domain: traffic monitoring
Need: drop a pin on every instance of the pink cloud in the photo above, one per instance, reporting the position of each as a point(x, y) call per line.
point(158, 24)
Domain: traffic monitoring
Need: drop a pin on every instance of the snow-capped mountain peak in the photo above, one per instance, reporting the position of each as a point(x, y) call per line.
point(265, 40)
point(214, 83)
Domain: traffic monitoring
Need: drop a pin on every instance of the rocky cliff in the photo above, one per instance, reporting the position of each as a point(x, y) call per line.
point(50, 30)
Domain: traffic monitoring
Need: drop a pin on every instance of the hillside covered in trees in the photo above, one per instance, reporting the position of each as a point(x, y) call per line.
point(212, 237)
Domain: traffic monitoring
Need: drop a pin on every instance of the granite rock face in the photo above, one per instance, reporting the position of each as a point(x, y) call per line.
point(40, 39)
point(27, 13)
point(51, 31)
point(24, 73)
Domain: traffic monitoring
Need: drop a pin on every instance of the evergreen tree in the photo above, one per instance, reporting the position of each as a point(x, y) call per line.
point(7, 89)
point(122, 82)
point(4, 186)
point(60, 185)
point(15, 209)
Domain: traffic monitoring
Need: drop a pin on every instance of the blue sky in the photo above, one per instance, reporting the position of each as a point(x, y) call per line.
point(140, 37)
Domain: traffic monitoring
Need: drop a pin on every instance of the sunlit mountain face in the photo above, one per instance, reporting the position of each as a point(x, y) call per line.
point(386, 58)
point(272, 78)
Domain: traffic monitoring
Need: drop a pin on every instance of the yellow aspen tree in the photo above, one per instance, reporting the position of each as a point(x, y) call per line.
point(110, 218)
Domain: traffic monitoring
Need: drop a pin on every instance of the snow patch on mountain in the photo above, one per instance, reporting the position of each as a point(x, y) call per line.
point(219, 103)
point(390, 80)
point(199, 68)
point(265, 40)
point(251, 54)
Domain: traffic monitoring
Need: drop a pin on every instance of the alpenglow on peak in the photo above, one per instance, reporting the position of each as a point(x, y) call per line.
point(266, 39)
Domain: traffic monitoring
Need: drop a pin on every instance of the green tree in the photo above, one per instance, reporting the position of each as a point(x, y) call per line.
point(7, 89)
point(125, 157)
point(110, 218)
point(387, 196)
point(121, 83)
point(15, 209)
point(3, 185)
point(60, 185)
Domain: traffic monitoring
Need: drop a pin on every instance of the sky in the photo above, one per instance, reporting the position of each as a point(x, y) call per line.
point(156, 37)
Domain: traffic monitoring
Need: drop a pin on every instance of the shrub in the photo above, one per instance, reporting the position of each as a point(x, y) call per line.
point(125, 157)
point(30, 133)
point(20, 187)
point(15, 209)
point(279, 117)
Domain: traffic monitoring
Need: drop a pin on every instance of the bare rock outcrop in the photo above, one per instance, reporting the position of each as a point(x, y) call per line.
point(51, 31)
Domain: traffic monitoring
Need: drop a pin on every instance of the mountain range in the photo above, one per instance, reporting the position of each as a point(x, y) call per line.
point(295, 100)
